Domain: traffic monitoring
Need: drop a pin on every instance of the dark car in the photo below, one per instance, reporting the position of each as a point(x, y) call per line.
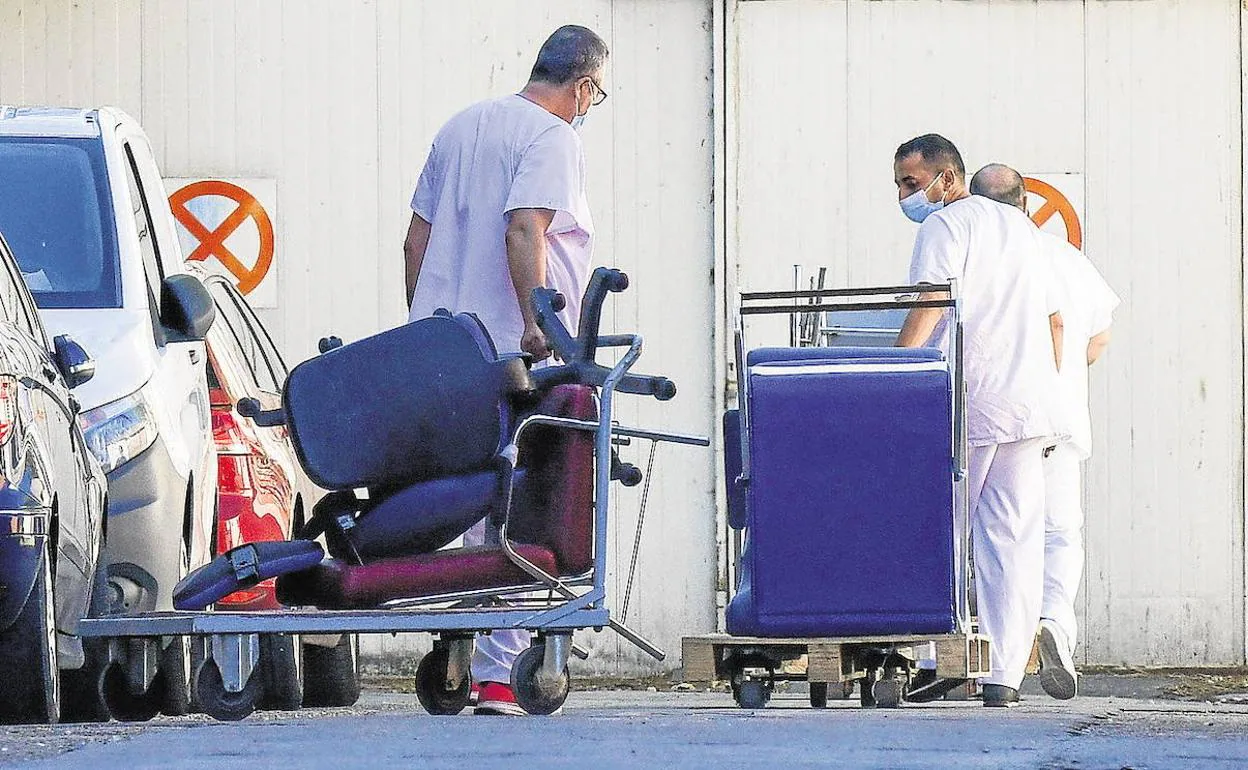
point(52, 502)
point(263, 494)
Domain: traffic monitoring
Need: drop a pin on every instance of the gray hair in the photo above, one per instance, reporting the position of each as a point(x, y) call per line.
point(1000, 183)
point(571, 52)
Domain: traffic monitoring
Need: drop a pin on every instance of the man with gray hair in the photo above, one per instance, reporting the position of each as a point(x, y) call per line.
point(1087, 313)
point(499, 210)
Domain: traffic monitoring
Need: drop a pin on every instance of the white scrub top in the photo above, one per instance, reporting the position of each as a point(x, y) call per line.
point(495, 157)
point(995, 253)
point(1087, 312)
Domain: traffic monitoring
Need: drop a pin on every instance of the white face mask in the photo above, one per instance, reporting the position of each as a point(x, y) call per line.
point(917, 207)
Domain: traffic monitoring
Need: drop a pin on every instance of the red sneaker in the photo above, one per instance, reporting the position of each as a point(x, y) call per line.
point(498, 700)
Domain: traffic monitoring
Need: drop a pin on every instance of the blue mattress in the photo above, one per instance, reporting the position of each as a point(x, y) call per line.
point(849, 512)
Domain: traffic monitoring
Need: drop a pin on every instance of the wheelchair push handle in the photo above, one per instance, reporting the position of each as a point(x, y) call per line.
point(264, 418)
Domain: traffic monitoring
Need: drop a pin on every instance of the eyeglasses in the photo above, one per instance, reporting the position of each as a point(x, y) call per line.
point(600, 93)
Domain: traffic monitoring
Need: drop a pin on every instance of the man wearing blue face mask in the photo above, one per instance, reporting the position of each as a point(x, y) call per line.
point(500, 209)
point(929, 174)
point(1011, 344)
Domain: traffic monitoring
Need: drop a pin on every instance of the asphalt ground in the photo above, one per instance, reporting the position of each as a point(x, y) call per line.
point(653, 727)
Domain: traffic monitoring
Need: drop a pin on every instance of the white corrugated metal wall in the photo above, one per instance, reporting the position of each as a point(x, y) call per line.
point(1140, 98)
point(338, 102)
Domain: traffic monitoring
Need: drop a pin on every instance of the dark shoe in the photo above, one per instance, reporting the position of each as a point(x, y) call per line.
point(1000, 696)
point(926, 687)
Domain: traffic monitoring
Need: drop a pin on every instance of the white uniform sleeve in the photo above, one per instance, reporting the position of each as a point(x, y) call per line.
point(1102, 299)
point(550, 174)
point(938, 256)
point(428, 188)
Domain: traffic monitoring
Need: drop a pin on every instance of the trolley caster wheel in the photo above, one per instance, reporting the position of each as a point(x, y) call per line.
point(818, 695)
point(533, 693)
point(753, 694)
point(217, 702)
point(431, 689)
point(888, 693)
point(125, 706)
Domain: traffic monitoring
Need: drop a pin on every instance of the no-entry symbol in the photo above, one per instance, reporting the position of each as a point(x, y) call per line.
point(229, 228)
point(1045, 201)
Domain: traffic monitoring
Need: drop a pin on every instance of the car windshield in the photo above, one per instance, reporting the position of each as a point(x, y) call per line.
point(56, 214)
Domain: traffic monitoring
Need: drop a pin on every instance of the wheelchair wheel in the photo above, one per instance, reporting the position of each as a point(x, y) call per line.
point(125, 706)
point(532, 693)
point(431, 687)
point(819, 695)
point(217, 702)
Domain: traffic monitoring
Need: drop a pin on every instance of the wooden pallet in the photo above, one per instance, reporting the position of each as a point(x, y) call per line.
point(714, 657)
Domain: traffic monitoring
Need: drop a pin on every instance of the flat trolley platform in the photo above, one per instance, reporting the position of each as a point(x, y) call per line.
point(752, 665)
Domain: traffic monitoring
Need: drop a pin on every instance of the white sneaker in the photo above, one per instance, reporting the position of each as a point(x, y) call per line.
point(1057, 666)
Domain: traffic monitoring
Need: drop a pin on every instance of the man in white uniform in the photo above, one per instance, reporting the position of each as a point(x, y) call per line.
point(500, 209)
point(994, 253)
point(1087, 315)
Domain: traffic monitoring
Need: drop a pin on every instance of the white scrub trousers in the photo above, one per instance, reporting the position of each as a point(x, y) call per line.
point(1007, 530)
point(494, 653)
point(1063, 538)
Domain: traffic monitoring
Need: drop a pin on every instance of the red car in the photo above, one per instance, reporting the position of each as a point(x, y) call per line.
point(263, 494)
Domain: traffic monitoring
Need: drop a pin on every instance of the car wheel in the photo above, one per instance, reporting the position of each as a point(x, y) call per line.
point(30, 688)
point(175, 660)
point(80, 693)
point(281, 659)
point(332, 674)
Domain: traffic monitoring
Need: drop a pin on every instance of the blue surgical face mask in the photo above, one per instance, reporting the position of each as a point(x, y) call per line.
point(917, 207)
point(578, 121)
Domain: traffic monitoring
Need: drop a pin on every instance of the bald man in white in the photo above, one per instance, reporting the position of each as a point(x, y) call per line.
point(1087, 314)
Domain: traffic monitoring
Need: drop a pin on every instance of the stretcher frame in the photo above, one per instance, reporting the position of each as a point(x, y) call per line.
point(753, 664)
point(230, 639)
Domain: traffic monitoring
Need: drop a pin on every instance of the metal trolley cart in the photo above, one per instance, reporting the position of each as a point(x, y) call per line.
point(846, 471)
point(534, 587)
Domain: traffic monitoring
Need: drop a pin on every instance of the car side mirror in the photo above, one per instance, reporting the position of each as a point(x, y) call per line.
point(186, 308)
point(75, 365)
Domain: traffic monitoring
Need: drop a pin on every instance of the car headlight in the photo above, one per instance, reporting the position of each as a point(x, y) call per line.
point(118, 432)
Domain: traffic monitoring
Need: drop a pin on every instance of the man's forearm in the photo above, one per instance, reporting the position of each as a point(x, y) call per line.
point(1057, 329)
point(919, 325)
point(414, 247)
point(526, 261)
point(1097, 345)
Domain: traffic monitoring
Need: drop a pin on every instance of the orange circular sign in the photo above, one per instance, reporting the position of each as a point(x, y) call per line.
point(212, 242)
point(1055, 204)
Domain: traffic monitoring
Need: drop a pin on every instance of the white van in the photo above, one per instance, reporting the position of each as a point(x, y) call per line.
point(96, 242)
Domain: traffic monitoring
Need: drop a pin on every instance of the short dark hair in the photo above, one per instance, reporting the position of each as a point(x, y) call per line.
point(1000, 183)
point(571, 52)
point(935, 150)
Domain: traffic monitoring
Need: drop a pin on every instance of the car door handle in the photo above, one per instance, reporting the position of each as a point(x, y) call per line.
point(194, 356)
